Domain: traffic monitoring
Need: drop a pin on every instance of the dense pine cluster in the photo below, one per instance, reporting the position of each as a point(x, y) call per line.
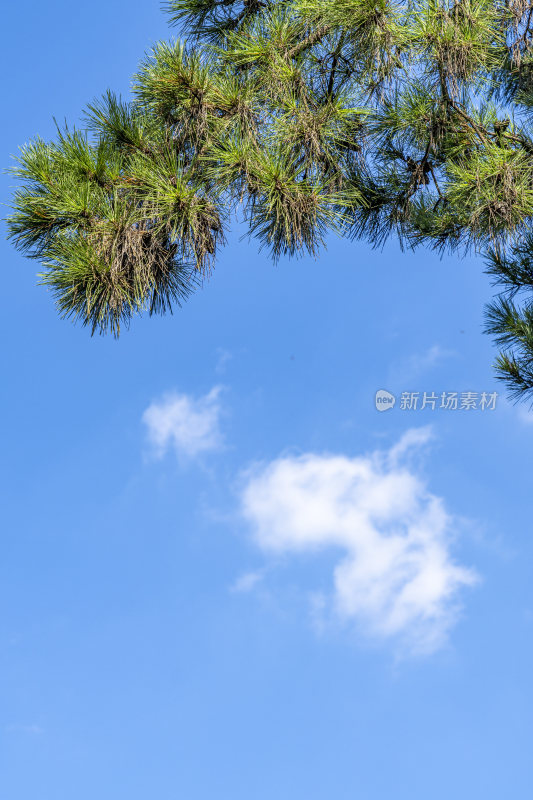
point(371, 118)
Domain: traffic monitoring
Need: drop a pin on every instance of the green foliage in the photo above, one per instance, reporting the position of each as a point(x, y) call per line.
point(111, 240)
point(369, 118)
point(509, 319)
point(211, 20)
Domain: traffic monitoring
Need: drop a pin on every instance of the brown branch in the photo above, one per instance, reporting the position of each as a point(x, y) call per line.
point(441, 196)
point(334, 66)
point(526, 33)
point(478, 130)
point(311, 40)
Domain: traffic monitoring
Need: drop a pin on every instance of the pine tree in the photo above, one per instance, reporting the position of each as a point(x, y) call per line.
point(370, 118)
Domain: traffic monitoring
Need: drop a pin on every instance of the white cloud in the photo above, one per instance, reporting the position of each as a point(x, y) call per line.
point(396, 577)
point(188, 425)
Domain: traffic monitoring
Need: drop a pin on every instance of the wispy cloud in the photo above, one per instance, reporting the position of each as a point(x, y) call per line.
point(188, 425)
point(30, 730)
point(418, 364)
point(396, 578)
point(223, 359)
point(247, 582)
point(525, 415)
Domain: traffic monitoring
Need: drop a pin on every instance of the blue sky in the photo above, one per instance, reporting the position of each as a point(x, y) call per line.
point(223, 573)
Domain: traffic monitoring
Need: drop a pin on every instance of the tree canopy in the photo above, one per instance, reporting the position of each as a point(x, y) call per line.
point(370, 118)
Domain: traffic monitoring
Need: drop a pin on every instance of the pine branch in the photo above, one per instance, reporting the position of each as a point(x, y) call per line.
point(367, 118)
point(310, 41)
